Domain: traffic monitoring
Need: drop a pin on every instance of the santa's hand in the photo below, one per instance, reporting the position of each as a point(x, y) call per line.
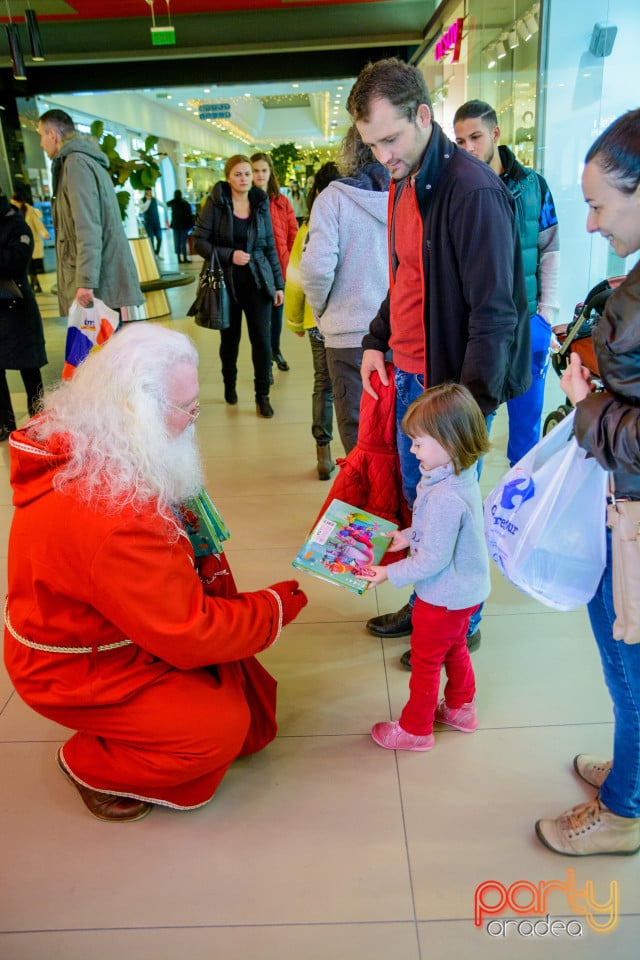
point(293, 599)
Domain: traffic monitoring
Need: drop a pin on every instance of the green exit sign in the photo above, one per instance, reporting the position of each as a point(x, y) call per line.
point(163, 36)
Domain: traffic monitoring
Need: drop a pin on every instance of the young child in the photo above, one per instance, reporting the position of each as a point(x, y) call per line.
point(448, 564)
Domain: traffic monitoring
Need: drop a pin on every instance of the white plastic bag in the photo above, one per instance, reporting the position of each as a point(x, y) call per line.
point(87, 328)
point(545, 521)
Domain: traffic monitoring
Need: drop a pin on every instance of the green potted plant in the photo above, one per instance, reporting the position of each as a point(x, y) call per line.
point(283, 157)
point(141, 172)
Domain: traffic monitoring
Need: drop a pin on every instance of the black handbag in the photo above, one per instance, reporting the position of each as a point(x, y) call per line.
point(210, 308)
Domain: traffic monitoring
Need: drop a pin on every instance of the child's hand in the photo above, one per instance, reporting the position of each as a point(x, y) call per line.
point(374, 574)
point(398, 542)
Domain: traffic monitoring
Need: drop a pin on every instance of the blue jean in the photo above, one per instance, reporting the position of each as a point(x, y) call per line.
point(409, 386)
point(621, 665)
point(180, 242)
point(475, 618)
point(525, 411)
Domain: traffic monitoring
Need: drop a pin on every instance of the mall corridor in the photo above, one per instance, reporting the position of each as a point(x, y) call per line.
point(324, 845)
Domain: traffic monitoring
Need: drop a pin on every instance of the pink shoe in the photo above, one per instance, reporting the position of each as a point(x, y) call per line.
point(465, 718)
point(391, 736)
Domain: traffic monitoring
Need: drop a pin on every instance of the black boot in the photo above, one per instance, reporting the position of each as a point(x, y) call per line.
point(8, 425)
point(280, 362)
point(263, 407)
point(326, 466)
point(230, 395)
point(392, 624)
point(473, 642)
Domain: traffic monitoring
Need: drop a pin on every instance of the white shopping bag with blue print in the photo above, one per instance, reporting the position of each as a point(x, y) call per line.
point(545, 521)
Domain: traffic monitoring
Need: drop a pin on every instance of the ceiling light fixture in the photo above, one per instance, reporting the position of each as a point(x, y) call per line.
point(490, 57)
point(531, 24)
point(523, 30)
point(501, 50)
point(15, 50)
point(513, 39)
point(33, 29)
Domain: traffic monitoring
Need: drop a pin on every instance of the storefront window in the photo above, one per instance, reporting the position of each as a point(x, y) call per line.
point(497, 62)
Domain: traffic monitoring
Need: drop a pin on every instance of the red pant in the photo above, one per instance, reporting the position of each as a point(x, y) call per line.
point(439, 638)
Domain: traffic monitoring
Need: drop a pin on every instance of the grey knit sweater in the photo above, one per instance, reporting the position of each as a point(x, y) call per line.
point(449, 562)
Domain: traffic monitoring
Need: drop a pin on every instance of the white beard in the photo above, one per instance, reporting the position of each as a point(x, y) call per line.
point(181, 466)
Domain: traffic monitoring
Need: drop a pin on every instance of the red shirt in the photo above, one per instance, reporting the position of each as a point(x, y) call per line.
point(407, 295)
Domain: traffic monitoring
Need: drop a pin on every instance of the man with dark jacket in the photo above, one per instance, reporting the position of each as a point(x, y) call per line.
point(456, 309)
point(476, 128)
point(92, 251)
point(181, 224)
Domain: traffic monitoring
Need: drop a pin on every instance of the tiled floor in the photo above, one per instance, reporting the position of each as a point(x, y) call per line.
point(324, 845)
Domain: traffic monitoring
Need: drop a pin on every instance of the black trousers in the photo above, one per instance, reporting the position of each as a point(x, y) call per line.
point(32, 379)
point(256, 306)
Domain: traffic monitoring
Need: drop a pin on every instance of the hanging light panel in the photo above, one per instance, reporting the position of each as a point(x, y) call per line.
point(33, 29)
point(15, 52)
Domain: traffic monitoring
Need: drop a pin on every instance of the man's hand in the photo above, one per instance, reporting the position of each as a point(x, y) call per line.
point(576, 380)
point(240, 258)
point(84, 296)
point(373, 360)
point(278, 300)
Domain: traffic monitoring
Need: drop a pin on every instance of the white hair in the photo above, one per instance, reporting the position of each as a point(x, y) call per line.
point(112, 414)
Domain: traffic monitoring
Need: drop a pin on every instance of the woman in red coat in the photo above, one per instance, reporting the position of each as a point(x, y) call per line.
point(113, 627)
point(285, 228)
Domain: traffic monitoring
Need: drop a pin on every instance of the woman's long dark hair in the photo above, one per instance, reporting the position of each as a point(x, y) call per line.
point(327, 173)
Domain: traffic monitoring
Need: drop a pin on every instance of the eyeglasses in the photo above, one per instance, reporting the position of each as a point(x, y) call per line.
point(192, 411)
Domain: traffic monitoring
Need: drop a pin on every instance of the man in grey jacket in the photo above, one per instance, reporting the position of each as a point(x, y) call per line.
point(92, 252)
point(345, 271)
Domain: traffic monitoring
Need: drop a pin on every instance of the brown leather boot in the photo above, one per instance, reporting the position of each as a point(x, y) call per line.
point(107, 806)
point(326, 466)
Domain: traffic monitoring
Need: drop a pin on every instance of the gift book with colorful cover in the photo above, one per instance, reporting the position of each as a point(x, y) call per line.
point(345, 541)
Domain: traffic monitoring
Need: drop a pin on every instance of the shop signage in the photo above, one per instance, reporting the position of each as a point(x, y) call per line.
point(452, 37)
point(214, 111)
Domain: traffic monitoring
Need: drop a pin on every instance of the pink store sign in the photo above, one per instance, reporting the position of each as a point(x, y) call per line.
point(450, 38)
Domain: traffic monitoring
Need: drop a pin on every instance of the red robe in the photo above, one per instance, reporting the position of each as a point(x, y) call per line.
point(109, 630)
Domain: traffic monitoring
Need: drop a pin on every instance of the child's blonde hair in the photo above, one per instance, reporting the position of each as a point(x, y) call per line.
point(450, 415)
